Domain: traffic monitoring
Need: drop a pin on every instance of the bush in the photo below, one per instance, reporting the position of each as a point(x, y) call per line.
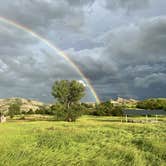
point(30, 111)
point(107, 109)
point(45, 110)
point(117, 111)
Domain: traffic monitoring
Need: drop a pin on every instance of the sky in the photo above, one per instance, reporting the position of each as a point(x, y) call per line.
point(119, 45)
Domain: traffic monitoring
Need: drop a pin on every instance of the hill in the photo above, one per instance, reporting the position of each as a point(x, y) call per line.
point(26, 104)
point(150, 103)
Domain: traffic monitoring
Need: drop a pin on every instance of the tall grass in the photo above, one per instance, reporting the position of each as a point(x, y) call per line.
point(89, 141)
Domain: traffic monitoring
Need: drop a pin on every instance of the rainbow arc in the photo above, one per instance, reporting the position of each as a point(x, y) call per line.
point(55, 48)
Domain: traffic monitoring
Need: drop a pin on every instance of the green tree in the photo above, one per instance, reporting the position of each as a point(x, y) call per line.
point(69, 93)
point(104, 109)
point(152, 104)
point(30, 111)
point(14, 108)
point(44, 109)
point(107, 109)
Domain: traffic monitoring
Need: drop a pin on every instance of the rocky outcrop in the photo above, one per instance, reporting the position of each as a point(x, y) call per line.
point(122, 101)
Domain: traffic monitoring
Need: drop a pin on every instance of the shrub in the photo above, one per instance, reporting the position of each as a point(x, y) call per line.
point(117, 111)
point(44, 110)
point(107, 109)
point(30, 111)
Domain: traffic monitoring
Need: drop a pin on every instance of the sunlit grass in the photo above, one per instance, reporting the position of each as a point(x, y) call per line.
point(89, 141)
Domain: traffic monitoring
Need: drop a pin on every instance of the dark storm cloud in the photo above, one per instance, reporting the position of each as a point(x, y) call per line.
point(133, 58)
point(143, 43)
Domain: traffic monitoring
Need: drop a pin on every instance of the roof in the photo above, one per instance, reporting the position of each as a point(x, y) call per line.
point(144, 112)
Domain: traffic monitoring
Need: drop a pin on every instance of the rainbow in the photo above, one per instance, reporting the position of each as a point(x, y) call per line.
point(56, 49)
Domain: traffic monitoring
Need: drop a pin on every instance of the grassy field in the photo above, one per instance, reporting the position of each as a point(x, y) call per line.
point(93, 141)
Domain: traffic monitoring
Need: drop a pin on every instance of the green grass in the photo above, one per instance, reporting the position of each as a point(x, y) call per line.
point(93, 141)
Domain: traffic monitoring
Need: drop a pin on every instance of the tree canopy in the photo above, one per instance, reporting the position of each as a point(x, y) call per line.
point(152, 104)
point(68, 92)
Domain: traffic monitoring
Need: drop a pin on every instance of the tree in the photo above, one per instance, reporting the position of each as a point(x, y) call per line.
point(107, 109)
point(68, 93)
point(44, 109)
point(15, 108)
point(152, 104)
point(103, 109)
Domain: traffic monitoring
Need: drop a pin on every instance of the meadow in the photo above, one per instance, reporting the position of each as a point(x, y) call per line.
point(90, 141)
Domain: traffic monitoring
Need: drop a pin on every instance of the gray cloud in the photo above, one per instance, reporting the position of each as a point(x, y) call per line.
point(39, 15)
point(132, 57)
point(127, 4)
point(155, 78)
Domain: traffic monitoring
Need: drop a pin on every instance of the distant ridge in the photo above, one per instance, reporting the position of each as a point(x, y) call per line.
point(132, 103)
point(26, 104)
